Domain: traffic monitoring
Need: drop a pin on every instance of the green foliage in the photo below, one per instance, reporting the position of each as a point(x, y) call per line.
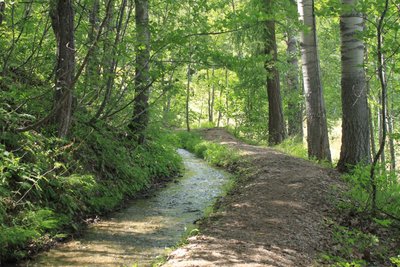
point(293, 146)
point(364, 237)
point(48, 185)
point(388, 187)
point(215, 154)
point(395, 260)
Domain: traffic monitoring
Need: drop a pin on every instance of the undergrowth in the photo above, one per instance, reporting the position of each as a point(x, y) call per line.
point(213, 153)
point(49, 187)
point(362, 237)
point(294, 147)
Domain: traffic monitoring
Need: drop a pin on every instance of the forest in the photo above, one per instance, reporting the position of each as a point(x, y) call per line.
point(97, 95)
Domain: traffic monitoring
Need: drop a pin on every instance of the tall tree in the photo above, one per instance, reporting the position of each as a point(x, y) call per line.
point(276, 122)
point(211, 96)
point(355, 119)
point(317, 129)
point(295, 113)
point(142, 76)
point(62, 17)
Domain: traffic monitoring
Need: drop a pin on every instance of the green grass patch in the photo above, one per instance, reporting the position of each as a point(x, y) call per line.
point(293, 146)
point(215, 154)
point(362, 237)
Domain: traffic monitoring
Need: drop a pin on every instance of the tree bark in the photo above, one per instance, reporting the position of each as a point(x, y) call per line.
point(2, 9)
point(211, 96)
point(391, 142)
point(355, 128)
point(295, 113)
point(62, 16)
point(142, 76)
point(227, 97)
point(187, 108)
point(317, 129)
point(276, 122)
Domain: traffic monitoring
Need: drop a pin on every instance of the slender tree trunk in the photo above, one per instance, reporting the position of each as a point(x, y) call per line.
point(370, 117)
point(295, 115)
point(382, 80)
point(211, 96)
point(2, 9)
point(187, 109)
point(93, 63)
point(211, 114)
point(381, 129)
point(142, 73)
point(317, 129)
point(227, 96)
point(62, 16)
point(112, 62)
point(355, 129)
point(220, 107)
point(391, 142)
point(276, 122)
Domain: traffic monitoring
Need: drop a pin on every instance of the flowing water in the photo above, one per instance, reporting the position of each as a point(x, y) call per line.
point(142, 231)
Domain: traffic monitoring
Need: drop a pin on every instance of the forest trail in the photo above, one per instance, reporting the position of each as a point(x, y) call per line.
point(273, 218)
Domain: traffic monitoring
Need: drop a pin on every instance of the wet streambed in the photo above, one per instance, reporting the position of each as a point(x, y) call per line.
point(142, 231)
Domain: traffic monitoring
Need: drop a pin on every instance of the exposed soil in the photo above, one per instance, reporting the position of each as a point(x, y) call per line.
point(275, 217)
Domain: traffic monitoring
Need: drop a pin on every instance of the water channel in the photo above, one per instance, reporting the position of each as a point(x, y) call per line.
point(142, 231)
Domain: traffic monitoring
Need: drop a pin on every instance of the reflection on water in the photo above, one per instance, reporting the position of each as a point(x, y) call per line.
point(142, 231)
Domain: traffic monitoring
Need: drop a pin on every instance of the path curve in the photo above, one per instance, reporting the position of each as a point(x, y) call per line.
point(274, 218)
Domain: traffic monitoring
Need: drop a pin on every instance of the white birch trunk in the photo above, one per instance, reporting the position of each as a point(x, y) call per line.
point(317, 130)
point(355, 121)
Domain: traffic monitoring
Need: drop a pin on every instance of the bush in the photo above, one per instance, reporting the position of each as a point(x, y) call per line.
point(215, 154)
point(388, 189)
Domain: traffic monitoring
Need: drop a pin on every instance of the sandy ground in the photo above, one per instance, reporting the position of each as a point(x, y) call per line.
point(275, 217)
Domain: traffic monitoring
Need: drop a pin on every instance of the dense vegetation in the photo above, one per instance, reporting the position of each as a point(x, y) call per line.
point(88, 87)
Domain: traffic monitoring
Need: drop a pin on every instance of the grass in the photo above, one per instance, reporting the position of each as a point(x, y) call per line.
point(49, 187)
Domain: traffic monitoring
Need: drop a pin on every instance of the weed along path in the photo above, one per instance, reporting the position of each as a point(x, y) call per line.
point(142, 231)
point(274, 217)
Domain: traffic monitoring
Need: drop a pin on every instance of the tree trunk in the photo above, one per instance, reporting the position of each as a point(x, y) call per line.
point(317, 129)
point(276, 122)
point(220, 107)
point(111, 62)
point(62, 17)
point(2, 9)
point(391, 142)
point(187, 109)
point(211, 96)
point(93, 63)
point(142, 72)
point(226, 97)
point(381, 128)
point(355, 129)
point(295, 114)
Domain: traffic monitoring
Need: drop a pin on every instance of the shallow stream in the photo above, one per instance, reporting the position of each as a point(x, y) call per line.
point(142, 231)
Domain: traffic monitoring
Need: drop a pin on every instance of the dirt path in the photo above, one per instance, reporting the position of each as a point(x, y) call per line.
point(274, 218)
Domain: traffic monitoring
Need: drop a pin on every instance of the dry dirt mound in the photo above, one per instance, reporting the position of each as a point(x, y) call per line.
point(274, 218)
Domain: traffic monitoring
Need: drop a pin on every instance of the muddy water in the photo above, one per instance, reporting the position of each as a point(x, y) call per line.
point(141, 232)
